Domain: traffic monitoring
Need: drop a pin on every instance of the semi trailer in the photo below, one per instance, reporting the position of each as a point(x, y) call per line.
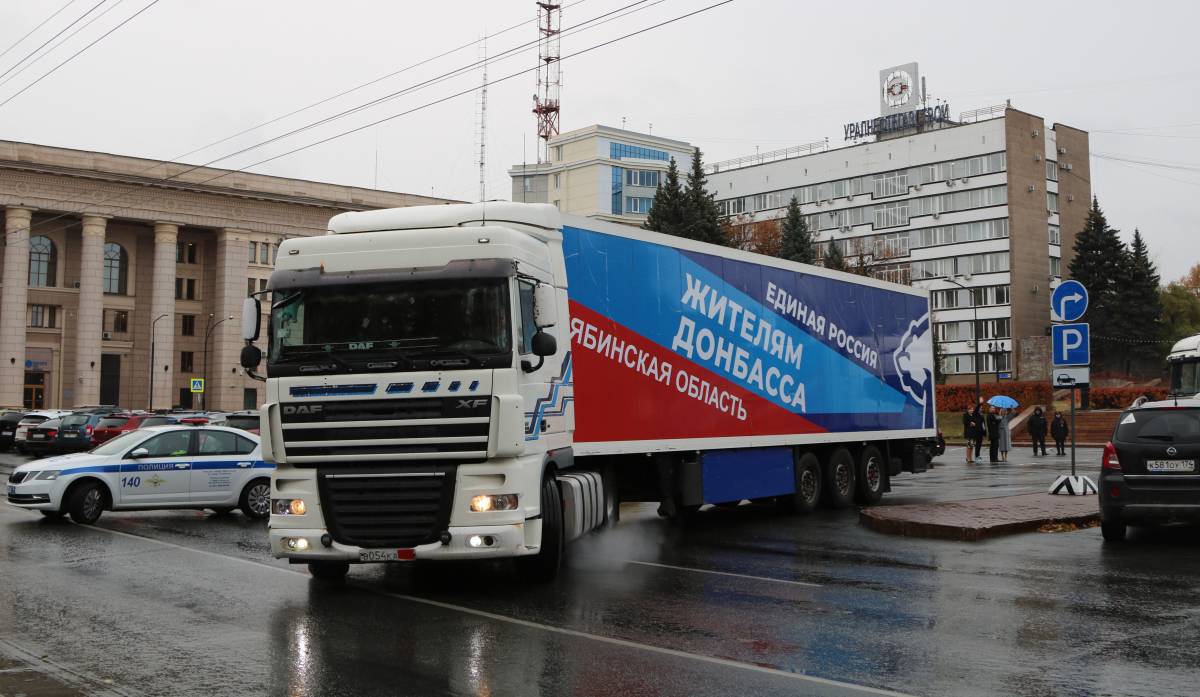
point(492, 380)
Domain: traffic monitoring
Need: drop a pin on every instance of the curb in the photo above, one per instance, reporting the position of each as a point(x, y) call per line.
point(922, 520)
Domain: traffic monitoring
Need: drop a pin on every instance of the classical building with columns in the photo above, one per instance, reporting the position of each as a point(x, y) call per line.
point(121, 273)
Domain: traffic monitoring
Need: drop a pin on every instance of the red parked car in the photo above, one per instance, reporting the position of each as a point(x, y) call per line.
point(115, 424)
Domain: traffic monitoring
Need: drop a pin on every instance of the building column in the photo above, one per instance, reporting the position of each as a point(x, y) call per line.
point(13, 303)
point(89, 322)
point(162, 305)
point(224, 364)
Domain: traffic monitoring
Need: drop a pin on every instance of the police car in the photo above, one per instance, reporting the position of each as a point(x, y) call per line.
point(151, 468)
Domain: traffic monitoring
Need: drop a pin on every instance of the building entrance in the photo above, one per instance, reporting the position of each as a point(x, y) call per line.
point(35, 390)
point(110, 378)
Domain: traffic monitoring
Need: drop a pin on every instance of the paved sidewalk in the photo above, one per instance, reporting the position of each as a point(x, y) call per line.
point(977, 519)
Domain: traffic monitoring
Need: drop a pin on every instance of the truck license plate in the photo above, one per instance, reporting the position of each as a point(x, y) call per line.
point(1170, 465)
point(385, 555)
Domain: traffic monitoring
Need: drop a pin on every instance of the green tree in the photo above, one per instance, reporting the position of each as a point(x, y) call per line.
point(668, 214)
point(1141, 321)
point(1099, 264)
point(1180, 313)
point(702, 220)
point(833, 257)
point(797, 239)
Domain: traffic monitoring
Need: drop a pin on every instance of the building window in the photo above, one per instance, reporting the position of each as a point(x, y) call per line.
point(191, 289)
point(618, 184)
point(187, 361)
point(117, 321)
point(116, 269)
point(991, 262)
point(249, 398)
point(1056, 267)
point(262, 284)
point(43, 316)
point(963, 232)
point(185, 253)
point(187, 325)
point(264, 253)
point(641, 177)
point(557, 180)
point(638, 204)
point(43, 262)
point(1055, 235)
point(1051, 201)
point(250, 287)
point(253, 256)
point(891, 183)
point(891, 214)
point(1052, 170)
point(621, 151)
point(527, 184)
point(274, 254)
point(558, 153)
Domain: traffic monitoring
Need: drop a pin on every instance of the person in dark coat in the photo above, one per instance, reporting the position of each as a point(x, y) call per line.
point(1058, 429)
point(1037, 430)
point(980, 420)
point(993, 432)
point(970, 432)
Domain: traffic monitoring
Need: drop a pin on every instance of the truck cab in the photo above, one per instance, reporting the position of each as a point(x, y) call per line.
point(1184, 364)
point(405, 353)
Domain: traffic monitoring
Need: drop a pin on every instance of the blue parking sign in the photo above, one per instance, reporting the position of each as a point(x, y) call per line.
point(1071, 344)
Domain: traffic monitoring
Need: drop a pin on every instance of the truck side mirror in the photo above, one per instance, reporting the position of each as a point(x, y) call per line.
point(544, 344)
point(251, 319)
point(545, 312)
point(251, 356)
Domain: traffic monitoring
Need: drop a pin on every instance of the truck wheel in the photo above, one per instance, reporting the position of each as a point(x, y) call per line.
point(86, 503)
point(255, 501)
point(870, 476)
point(328, 570)
point(808, 485)
point(543, 566)
point(840, 479)
point(1113, 530)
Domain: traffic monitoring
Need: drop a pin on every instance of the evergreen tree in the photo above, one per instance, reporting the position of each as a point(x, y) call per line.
point(833, 257)
point(1141, 320)
point(797, 239)
point(702, 219)
point(667, 212)
point(1100, 265)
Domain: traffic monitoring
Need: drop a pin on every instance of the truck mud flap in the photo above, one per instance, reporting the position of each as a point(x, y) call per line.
point(583, 503)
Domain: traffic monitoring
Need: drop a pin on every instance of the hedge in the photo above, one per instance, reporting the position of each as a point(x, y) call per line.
point(1122, 397)
point(959, 397)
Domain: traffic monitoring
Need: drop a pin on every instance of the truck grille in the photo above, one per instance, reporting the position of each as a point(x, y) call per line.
point(435, 428)
point(387, 509)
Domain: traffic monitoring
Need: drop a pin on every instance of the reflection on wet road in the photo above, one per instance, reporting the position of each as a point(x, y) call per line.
point(745, 601)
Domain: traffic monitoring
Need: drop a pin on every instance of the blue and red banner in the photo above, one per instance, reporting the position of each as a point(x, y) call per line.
point(668, 343)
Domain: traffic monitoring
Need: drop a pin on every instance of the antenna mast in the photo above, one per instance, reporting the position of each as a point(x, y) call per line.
point(549, 79)
point(481, 123)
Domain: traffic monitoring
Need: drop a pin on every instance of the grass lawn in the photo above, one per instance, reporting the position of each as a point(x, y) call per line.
point(950, 423)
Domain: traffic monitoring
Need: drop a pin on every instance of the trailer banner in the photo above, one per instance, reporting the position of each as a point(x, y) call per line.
point(724, 347)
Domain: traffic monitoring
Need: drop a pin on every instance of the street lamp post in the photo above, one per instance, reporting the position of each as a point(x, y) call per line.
point(974, 331)
point(152, 364)
point(207, 335)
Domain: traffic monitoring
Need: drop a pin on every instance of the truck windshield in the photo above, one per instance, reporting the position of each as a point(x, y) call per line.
point(466, 320)
point(1185, 377)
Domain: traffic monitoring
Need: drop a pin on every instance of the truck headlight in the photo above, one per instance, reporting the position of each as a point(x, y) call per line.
point(493, 502)
point(47, 474)
point(288, 507)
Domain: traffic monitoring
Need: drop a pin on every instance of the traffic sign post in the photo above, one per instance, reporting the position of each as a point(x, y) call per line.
point(1071, 356)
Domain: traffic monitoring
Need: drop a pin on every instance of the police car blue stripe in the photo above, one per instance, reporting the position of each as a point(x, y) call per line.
point(163, 466)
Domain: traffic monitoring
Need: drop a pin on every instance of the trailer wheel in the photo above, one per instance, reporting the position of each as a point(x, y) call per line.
point(870, 476)
point(808, 485)
point(840, 479)
point(543, 566)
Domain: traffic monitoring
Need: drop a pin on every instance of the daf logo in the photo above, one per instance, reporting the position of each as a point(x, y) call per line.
point(361, 346)
point(471, 403)
point(1171, 450)
point(302, 408)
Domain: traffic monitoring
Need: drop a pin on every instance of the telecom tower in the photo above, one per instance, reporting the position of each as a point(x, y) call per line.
point(549, 79)
point(481, 122)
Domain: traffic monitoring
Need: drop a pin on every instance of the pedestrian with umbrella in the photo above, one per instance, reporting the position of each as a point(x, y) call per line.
point(1002, 441)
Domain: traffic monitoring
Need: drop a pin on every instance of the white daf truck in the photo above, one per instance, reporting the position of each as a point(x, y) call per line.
point(436, 389)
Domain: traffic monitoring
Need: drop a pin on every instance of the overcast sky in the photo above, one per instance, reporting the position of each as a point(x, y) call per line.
point(749, 73)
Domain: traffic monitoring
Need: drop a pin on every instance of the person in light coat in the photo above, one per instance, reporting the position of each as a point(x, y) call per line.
point(1005, 435)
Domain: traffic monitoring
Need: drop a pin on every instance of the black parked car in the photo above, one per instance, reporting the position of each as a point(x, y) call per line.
point(8, 427)
point(40, 439)
point(1150, 472)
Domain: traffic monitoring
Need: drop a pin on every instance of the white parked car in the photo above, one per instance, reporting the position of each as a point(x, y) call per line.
point(160, 467)
point(30, 420)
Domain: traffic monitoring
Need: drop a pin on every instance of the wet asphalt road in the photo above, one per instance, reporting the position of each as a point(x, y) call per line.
point(746, 601)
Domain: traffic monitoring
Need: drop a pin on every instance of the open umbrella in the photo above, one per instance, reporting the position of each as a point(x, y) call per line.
point(1003, 402)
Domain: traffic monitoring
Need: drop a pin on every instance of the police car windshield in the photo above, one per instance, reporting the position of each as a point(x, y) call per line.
point(405, 318)
point(118, 445)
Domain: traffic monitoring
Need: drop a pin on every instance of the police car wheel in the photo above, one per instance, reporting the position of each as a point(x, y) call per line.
point(256, 499)
point(87, 503)
point(328, 570)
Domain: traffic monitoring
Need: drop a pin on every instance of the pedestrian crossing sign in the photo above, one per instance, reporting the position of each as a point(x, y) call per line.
point(197, 385)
